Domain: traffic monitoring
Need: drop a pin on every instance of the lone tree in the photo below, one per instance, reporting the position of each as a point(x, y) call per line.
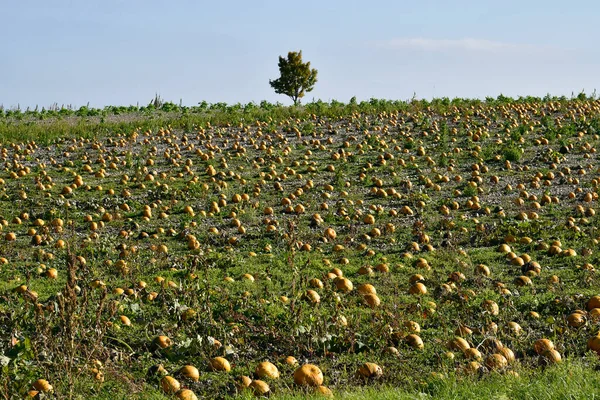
point(296, 77)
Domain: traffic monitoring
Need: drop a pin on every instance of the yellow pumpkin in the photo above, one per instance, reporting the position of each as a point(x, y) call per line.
point(370, 370)
point(219, 364)
point(308, 375)
point(266, 370)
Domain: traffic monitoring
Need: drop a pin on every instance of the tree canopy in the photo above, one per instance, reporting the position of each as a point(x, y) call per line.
point(296, 77)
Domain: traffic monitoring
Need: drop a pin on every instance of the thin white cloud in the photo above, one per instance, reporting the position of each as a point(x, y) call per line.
point(468, 44)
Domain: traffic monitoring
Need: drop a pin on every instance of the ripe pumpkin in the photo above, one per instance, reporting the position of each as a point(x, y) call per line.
point(324, 391)
point(491, 307)
point(551, 356)
point(190, 372)
point(472, 367)
point(492, 344)
point(414, 341)
point(125, 320)
point(507, 353)
point(43, 386)
point(330, 233)
point(170, 384)
point(594, 302)
point(594, 343)
point(312, 297)
point(576, 320)
point(219, 364)
point(473, 354)
point(291, 360)
point(186, 394)
point(260, 388)
point(370, 370)
point(266, 370)
point(243, 382)
point(459, 344)
point(163, 342)
point(412, 326)
point(366, 289)
point(344, 285)
point(542, 345)
point(463, 331)
point(418, 289)
point(372, 300)
point(496, 361)
point(308, 375)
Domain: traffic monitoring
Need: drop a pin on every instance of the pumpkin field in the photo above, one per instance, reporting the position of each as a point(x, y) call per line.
point(377, 249)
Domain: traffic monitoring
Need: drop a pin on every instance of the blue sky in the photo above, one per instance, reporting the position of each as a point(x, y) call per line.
point(123, 52)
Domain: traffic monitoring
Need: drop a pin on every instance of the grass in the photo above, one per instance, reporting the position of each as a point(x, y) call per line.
point(572, 379)
point(215, 281)
point(512, 154)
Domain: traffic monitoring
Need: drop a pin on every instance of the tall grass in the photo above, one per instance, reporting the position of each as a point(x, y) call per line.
point(46, 126)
